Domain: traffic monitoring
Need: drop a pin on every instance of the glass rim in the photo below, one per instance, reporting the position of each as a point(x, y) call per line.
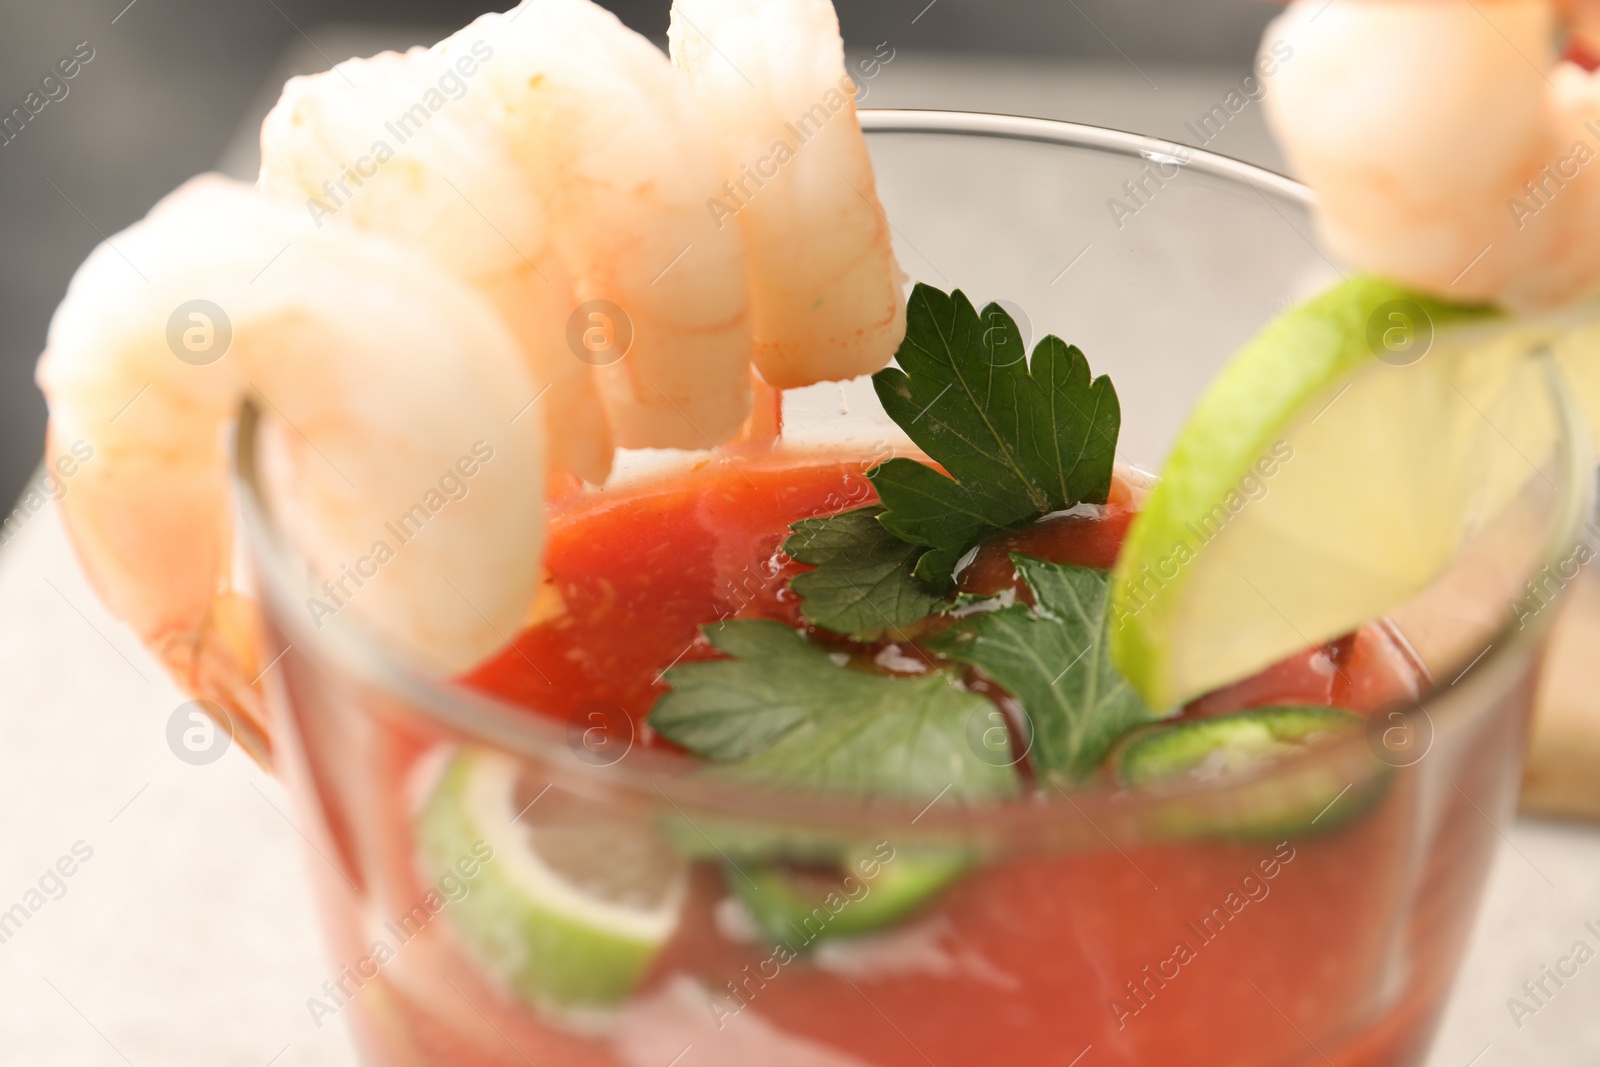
point(658, 775)
point(1083, 135)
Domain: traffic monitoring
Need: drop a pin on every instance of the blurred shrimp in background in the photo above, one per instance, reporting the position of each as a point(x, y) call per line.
point(1449, 144)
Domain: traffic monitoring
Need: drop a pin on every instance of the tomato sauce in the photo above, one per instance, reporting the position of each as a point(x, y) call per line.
point(630, 582)
point(633, 580)
point(1332, 949)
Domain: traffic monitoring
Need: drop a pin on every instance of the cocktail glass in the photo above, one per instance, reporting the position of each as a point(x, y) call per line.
point(1101, 926)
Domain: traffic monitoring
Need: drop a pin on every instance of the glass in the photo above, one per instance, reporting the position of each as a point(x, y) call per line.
point(1106, 927)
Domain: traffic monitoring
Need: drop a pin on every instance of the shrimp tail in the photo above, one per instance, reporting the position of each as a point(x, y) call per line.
point(220, 665)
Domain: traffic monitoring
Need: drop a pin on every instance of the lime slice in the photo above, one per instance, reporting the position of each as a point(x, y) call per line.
point(575, 901)
point(1331, 472)
point(802, 904)
point(1316, 799)
point(1228, 744)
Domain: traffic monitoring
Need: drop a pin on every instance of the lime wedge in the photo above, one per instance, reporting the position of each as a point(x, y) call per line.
point(575, 900)
point(1331, 472)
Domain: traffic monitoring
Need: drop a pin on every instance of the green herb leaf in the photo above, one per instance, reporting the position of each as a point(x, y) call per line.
point(862, 585)
point(1016, 442)
point(1056, 659)
point(788, 716)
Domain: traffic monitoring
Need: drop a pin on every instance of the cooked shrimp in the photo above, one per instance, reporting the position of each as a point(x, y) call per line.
point(827, 297)
point(624, 159)
point(430, 233)
point(1448, 147)
point(390, 393)
point(387, 144)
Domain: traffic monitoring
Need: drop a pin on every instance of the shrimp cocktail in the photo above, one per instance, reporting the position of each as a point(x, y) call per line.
point(691, 641)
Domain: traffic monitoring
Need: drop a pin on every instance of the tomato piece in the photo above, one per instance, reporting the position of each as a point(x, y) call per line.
point(1306, 677)
point(1379, 669)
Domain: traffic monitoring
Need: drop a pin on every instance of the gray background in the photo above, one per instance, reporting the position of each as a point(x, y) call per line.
point(171, 79)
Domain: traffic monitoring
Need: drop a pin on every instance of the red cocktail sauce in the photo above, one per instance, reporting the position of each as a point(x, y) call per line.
point(1334, 948)
point(631, 581)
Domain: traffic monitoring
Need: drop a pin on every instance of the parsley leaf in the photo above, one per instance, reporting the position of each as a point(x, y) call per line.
point(1008, 442)
point(1055, 658)
point(862, 585)
point(1016, 442)
point(789, 717)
